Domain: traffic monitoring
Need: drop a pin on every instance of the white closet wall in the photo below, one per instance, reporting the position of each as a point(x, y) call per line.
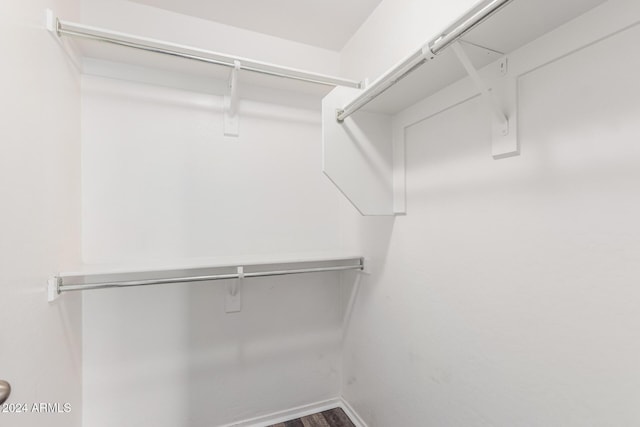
point(40, 344)
point(162, 182)
point(507, 296)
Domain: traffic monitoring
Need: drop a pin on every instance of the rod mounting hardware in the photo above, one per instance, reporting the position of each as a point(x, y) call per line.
point(52, 24)
point(365, 263)
point(484, 90)
point(53, 288)
point(504, 133)
point(233, 298)
point(231, 119)
point(503, 64)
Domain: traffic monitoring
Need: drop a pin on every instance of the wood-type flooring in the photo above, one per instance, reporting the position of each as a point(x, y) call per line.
point(331, 418)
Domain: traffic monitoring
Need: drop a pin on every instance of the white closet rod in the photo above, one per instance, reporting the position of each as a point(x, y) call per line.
point(64, 28)
point(61, 287)
point(479, 13)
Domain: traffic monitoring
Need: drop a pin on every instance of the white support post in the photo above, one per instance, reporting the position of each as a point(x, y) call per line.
point(231, 119)
point(504, 125)
point(233, 297)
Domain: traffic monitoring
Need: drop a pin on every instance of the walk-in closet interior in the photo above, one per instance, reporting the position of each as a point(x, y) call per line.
point(367, 213)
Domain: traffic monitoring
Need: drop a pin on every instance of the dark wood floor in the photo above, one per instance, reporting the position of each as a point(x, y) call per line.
point(331, 418)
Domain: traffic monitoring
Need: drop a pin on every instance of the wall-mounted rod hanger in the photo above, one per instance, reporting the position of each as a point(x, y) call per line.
point(479, 13)
point(57, 286)
point(64, 28)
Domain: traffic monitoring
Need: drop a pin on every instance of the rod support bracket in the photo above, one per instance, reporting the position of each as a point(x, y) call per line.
point(365, 266)
point(51, 21)
point(53, 288)
point(233, 297)
point(499, 97)
point(231, 119)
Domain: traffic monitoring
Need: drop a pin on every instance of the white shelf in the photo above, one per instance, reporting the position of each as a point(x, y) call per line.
point(231, 270)
point(513, 26)
point(139, 55)
point(199, 270)
point(363, 155)
point(170, 267)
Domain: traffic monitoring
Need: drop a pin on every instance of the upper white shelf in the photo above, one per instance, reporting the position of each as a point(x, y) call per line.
point(92, 43)
point(363, 139)
point(514, 25)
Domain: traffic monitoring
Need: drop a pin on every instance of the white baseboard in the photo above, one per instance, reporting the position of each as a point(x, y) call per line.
point(351, 413)
point(299, 412)
point(289, 414)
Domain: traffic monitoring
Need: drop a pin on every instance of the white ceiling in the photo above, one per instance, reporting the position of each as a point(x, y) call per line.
point(323, 23)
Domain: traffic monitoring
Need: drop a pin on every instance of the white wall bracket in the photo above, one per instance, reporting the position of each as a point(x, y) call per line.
point(51, 22)
point(501, 101)
point(231, 119)
point(53, 288)
point(366, 266)
point(233, 297)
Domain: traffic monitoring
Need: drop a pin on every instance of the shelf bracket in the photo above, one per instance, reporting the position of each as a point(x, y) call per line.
point(233, 297)
point(51, 21)
point(53, 288)
point(504, 127)
point(231, 119)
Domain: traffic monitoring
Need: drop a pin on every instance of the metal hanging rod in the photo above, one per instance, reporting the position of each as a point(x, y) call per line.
point(57, 286)
point(63, 28)
point(478, 14)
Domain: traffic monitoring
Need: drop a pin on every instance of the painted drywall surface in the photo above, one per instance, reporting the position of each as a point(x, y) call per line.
point(396, 29)
point(40, 346)
point(507, 295)
point(160, 181)
point(135, 18)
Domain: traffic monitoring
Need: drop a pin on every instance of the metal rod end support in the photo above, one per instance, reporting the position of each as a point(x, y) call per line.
point(53, 288)
point(365, 266)
point(52, 23)
point(427, 52)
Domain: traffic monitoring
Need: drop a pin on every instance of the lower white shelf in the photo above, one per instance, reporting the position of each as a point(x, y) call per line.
point(93, 278)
